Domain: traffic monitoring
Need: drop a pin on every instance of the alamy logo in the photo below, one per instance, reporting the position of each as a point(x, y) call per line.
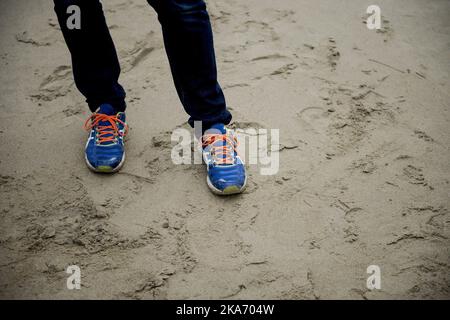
point(74, 280)
point(374, 280)
point(374, 18)
point(256, 147)
point(74, 21)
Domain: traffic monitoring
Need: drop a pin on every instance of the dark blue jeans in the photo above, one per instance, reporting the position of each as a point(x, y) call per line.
point(188, 41)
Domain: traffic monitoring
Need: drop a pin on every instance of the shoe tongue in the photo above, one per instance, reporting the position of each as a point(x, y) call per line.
point(218, 127)
point(107, 109)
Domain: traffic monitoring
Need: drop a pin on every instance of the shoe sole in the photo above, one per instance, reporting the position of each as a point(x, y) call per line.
point(105, 169)
point(228, 190)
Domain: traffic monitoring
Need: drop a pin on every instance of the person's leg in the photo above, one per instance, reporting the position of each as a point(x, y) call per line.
point(188, 41)
point(95, 65)
point(96, 71)
point(189, 44)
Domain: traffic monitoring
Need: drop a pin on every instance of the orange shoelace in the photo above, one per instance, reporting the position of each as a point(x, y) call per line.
point(222, 154)
point(105, 133)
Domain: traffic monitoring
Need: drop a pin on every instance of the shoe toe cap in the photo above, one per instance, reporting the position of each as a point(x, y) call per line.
point(104, 157)
point(225, 177)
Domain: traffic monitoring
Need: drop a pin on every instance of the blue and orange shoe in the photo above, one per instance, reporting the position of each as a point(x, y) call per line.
point(226, 170)
point(105, 147)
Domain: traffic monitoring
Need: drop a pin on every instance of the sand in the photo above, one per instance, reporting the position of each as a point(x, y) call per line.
point(364, 164)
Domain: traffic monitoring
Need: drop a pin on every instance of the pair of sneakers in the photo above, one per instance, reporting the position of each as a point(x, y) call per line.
point(105, 150)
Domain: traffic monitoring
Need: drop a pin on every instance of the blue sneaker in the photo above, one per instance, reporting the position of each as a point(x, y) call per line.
point(105, 148)
point(226, 170)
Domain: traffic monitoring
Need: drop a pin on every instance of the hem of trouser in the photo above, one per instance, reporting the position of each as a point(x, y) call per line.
point(223, 117)
point(118, 106)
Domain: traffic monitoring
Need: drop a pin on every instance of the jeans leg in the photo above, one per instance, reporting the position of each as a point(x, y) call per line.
point(95, 64)
point(188, 40)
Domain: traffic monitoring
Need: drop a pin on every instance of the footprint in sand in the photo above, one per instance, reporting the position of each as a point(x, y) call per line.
point(55, 85)
point(314, 117)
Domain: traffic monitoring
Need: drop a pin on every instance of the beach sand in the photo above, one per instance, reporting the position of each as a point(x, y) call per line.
point(364, 164)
